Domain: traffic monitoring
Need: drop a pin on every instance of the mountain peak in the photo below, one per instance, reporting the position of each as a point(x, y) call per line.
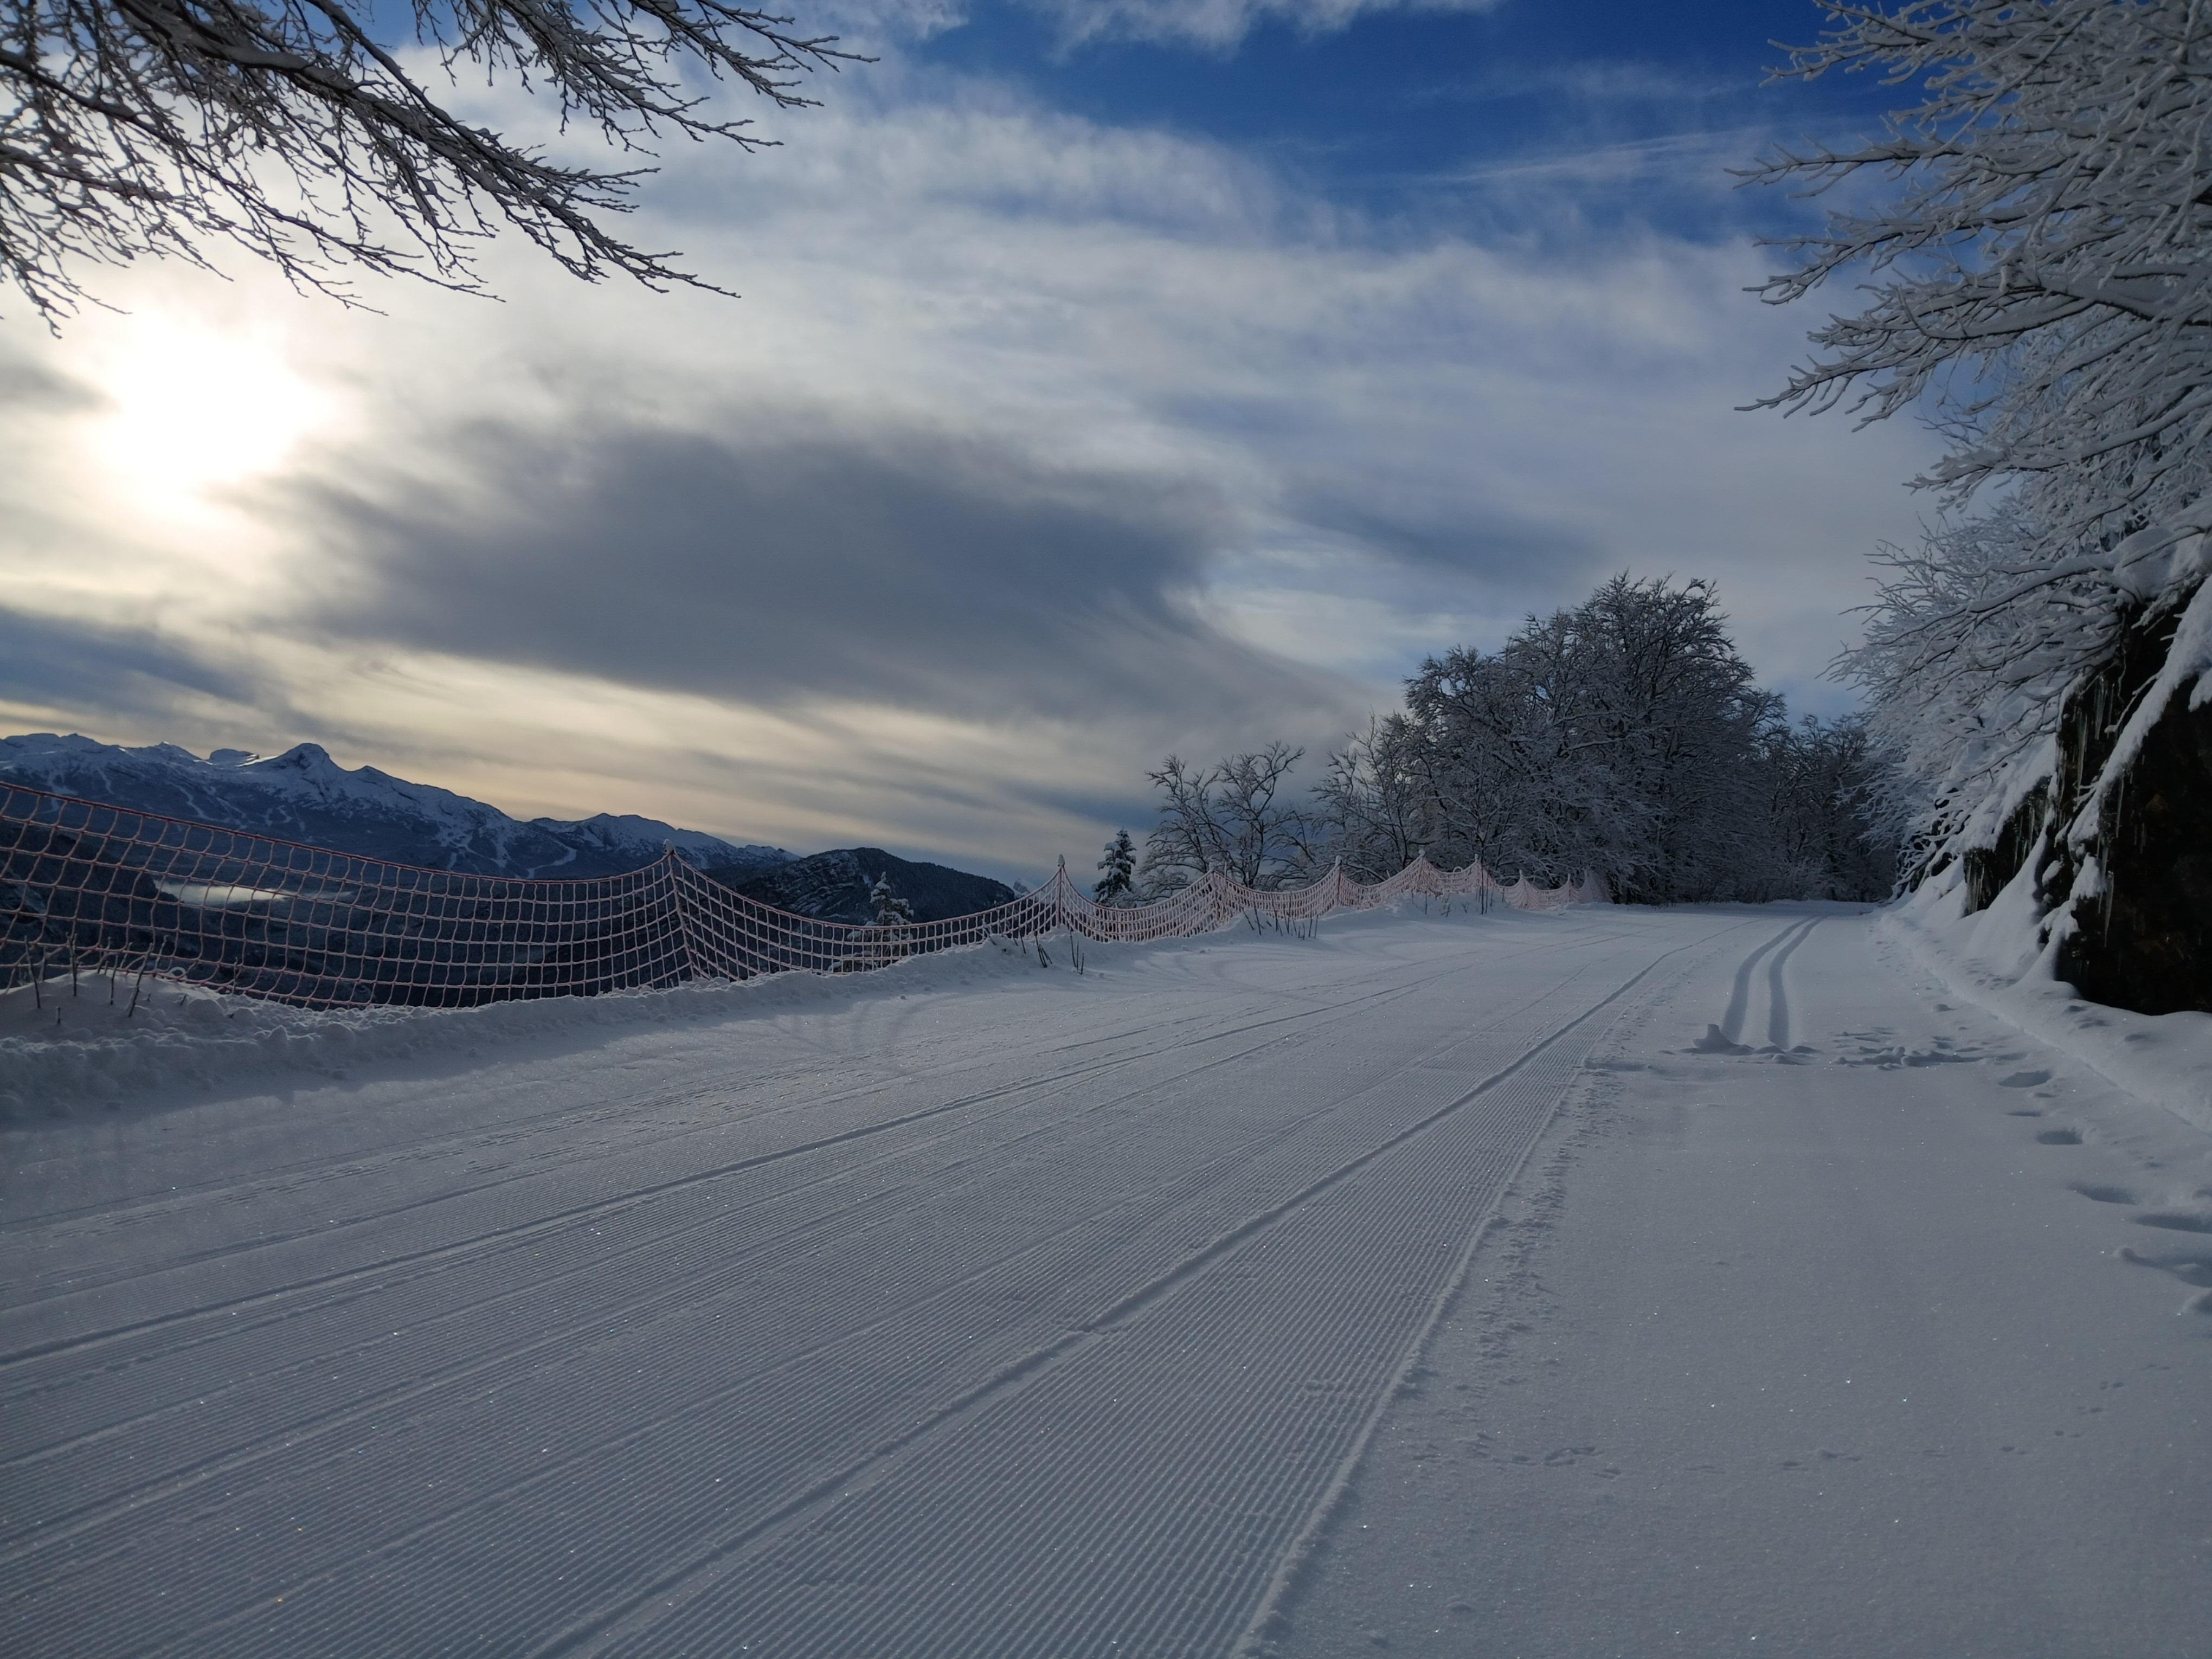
point(300, 757)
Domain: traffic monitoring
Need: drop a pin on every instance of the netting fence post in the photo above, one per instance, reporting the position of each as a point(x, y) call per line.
point(679, 899)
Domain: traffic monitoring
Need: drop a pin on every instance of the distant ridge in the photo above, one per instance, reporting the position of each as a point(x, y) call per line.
point(302, 794)
point(833, 886)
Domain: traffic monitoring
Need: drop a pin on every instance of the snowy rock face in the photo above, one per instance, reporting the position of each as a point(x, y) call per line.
point(835, 886)
point(304, 795)
point(2109, 852)
point(2145, 941)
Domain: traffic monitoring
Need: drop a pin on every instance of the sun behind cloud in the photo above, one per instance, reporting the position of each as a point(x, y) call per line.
point(191, 407)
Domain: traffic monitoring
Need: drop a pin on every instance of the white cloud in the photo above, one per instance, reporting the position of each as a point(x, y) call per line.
point(1591, 81)
point(1698, 160)
point(1222, 24)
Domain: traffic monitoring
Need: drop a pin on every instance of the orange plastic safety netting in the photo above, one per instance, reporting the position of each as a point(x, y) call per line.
point(87, 886)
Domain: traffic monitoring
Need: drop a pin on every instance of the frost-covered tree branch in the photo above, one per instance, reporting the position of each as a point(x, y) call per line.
point(2041, 260)
point(293, 128)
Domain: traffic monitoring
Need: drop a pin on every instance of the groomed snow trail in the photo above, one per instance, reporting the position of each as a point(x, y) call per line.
point(1039, 1317)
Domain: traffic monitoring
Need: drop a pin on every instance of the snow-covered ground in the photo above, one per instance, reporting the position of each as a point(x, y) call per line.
point(1613, 1282)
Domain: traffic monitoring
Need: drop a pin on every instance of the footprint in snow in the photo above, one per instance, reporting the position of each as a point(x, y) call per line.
point(2192, 1267)
point(2024, 1080)
point(2179, 1221)
point(2097, 1194)
point(1716, 1042)
point(2060, 1138)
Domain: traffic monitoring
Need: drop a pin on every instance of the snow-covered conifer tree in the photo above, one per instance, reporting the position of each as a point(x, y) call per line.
point(891, 910)
point(1117, 878)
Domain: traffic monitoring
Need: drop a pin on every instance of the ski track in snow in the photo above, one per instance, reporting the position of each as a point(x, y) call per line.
point(1775, 953)
point(963, 1326)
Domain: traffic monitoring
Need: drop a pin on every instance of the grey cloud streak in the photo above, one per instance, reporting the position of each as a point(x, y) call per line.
point(115, 669)
point(1512, 555)
point(34, 389)
point(955, 576)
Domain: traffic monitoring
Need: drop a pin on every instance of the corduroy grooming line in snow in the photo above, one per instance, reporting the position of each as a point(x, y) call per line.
point(86, 886)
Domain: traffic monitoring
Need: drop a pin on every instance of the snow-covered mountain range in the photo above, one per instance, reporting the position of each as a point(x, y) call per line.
point(302, 794)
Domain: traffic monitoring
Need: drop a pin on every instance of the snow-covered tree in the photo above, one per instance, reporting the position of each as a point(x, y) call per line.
point(1623, 737)
point(1819, 831)
point(2043, 286)
point(1117, 877)
point(1503, 780)
point(308, 134)
point(1651, 682)
point(1614, 738)
point(2037, 235)
point(891, 910)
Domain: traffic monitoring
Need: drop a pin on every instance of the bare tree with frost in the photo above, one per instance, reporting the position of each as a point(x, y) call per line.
point(1623, 738)
point(1504, 781)
point(1824, 832)
point(1238, 817)
point(1374, 808)
point(1646, 679)
point(2039, 254)
point(304, 132)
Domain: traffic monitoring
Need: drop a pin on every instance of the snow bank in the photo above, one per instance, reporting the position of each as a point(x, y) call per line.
point(63, 1049)
point(1998, 958)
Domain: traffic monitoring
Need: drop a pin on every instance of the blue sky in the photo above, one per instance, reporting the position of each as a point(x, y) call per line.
point(1393, 106)
point(1110, 379)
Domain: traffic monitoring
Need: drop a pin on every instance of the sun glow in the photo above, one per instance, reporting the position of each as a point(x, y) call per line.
point(191, 409)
